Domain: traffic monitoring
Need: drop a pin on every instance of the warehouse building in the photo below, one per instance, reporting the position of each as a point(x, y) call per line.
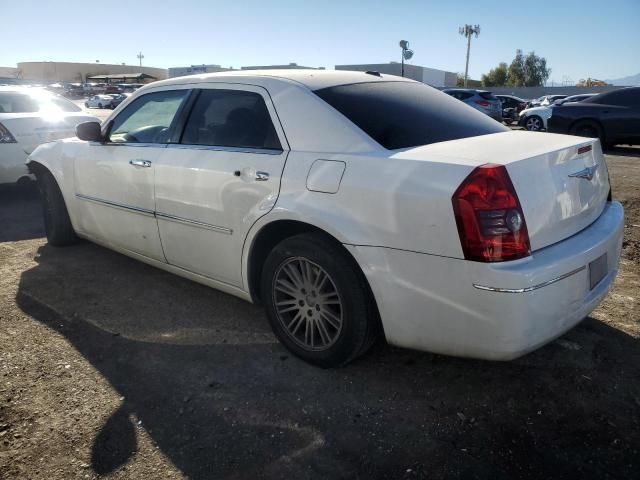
point(200, 69)
point(430, 76)
point(45, 72)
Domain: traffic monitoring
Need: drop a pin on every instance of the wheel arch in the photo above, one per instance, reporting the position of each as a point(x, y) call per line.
point(274, 232)
point(588, 119)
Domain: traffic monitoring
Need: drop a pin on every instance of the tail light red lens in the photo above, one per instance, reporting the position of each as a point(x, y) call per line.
point(482, 103)
point(490, 220)
point(5, 135)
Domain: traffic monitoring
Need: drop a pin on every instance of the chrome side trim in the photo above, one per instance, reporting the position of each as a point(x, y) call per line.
point(529, 289)
point(123, 206)
point(260, 151)
point(194, 223)
point(151, 213)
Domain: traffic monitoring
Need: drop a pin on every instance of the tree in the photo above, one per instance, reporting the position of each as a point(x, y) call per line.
point(516, 71)
point(497, 77)
point(529, 71)
point(460, 80)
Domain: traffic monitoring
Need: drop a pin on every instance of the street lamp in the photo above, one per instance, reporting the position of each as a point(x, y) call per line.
point(406, 53)
point(467, 31)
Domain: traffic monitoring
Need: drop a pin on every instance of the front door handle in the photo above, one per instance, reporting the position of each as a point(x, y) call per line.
point(140, 163)
point(262, 176)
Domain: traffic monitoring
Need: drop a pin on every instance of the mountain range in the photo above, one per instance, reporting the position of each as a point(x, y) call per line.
point(626, 81)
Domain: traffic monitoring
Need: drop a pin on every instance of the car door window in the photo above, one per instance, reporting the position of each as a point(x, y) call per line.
point(230, 118)
point(625, 97)
point(148, 118)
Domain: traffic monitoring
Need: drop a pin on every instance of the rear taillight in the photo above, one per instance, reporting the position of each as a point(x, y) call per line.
point(5, 135)
point(482, 103)
point(490, 220)
point(522, 105)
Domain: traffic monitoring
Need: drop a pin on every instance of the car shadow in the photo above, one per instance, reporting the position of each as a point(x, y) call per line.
point(206, 379)
point(21, 213)
point(623, 151)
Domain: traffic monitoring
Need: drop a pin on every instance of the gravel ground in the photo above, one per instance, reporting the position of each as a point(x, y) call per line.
point(111, 368)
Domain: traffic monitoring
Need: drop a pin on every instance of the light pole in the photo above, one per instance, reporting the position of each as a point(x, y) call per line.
point(467, 31)
point(406, 54)
point(140, 57)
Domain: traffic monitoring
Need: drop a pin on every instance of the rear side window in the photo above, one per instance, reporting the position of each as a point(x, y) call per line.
point(406, 114)
point(625, 97)
point(230, 118)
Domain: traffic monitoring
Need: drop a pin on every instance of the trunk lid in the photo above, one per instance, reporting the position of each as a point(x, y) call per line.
point(562, 181)
point(31, 130)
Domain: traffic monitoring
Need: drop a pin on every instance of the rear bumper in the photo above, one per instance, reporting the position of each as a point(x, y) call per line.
point(491, 311)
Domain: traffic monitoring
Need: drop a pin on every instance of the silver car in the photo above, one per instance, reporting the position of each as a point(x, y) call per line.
point(481, 100)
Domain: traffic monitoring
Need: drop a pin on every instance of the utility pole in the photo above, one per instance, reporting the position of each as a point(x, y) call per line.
point(468, 31)
point(140, 57)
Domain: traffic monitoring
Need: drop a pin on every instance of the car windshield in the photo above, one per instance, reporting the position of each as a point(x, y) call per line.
point(406, 114)
point(34, 102)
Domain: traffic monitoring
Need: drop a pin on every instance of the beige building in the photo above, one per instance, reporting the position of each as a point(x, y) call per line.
point(78, 72)
point(8, 72)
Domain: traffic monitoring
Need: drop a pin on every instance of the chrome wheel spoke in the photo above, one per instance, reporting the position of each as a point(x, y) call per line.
point(307, 304)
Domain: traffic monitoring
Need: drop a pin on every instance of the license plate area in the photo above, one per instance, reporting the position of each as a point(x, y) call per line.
point(597, 270)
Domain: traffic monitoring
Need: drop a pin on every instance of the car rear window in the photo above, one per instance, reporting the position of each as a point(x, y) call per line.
point(16, 102)
point(488, 95)
point(406, 114)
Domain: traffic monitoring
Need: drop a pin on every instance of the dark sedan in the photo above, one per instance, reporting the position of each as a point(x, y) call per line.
point(613, 117)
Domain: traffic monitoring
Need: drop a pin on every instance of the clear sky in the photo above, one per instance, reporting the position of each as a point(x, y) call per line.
point(579, 38)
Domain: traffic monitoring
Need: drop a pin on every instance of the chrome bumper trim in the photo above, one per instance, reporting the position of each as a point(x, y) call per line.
point(530, 289)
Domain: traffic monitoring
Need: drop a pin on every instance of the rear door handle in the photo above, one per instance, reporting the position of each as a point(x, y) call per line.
point(140, 163)
point(262, 176)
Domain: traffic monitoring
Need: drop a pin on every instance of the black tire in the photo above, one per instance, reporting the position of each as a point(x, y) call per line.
point(360, 325)
point(99, 105)
point(534, 123)
point(588, 128)
point(57, 224)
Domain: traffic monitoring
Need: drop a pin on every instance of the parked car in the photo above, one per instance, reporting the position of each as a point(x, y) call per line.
point(511, 107)
point(481, 100)
point(535, 119)
point(613, 117)
point(368, 203)
point(99, 101)
point(117, 99)
point(545, 100)
point(29, 117)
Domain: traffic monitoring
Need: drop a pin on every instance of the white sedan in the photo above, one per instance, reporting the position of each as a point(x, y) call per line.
point(99, 101)
point(535, 119)
point(29, 117)
point(351, 205)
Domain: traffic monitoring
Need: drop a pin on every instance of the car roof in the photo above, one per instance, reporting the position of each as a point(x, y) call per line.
point(312, 79)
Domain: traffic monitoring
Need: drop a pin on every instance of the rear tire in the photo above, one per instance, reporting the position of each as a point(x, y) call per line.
point(588, 128)
point(317, 301)
point(57, 224)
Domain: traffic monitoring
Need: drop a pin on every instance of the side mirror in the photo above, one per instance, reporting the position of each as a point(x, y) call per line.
point(89, 131)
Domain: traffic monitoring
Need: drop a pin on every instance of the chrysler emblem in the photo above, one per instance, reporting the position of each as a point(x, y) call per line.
point(587, 173)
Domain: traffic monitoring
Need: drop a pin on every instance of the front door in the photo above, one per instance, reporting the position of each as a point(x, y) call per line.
point(114, 180)
point(222, 175)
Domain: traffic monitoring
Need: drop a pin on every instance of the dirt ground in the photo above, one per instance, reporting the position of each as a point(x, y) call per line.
point(110, 368)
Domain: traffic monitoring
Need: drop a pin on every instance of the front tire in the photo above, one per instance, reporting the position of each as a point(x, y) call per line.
point(533, 123)
point(317, 301)
point(588, 128)
point(57, 224)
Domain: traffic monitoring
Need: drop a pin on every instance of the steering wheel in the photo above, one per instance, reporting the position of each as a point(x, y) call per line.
point(147, 134)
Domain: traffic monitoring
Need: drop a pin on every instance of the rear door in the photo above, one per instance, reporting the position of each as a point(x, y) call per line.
point(222, 175)
point(620, 114)
point(115, 180)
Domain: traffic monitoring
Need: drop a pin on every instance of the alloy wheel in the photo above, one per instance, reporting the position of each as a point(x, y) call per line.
point(533, 124)
point(307, 304)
